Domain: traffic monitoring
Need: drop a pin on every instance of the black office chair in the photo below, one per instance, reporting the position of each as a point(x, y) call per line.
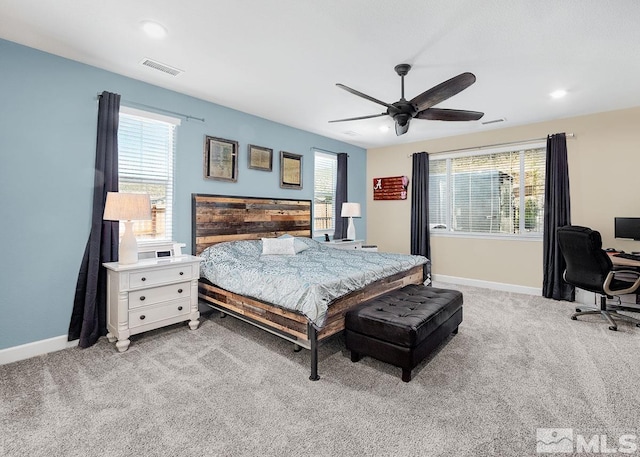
point(590, 268)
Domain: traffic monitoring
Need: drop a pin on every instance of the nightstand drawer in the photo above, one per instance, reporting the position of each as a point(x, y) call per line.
point(148, 315)
point(346, 245)
point(146, 297)
point(159, 276)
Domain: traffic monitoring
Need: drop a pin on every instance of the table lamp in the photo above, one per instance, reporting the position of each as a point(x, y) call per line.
point(350, 210)
point(127, 207)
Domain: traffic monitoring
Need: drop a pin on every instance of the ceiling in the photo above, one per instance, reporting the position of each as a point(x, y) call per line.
point(281, 59)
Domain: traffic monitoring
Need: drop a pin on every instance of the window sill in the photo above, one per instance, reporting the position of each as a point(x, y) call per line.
point(487, 236)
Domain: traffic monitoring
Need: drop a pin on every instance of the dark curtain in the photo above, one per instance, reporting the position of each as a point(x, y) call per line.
point(341, 197)
point(420, 244)
point(89, 315)
point(557, 213)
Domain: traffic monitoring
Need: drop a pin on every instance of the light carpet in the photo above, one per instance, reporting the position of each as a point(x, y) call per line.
point(228, 389)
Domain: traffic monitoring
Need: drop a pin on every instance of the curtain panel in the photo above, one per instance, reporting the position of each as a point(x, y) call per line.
point(420, 244)
point(340, 230)
point(557, 213)
point(89, 315)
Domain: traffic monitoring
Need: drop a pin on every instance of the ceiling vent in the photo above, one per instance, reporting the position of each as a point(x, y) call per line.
point(160, 66)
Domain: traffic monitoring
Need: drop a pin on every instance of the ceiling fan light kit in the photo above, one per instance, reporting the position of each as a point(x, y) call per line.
point(421, 106)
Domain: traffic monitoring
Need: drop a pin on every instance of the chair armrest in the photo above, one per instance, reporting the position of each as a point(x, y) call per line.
point(611, 276)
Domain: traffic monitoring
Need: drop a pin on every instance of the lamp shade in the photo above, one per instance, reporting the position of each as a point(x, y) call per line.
point(122, 206)
point(350, 210)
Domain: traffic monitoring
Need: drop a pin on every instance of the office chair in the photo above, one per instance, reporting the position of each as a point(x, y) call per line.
point(590, 268)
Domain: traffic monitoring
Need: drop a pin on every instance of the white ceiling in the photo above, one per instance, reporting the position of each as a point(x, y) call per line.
point(281, 59)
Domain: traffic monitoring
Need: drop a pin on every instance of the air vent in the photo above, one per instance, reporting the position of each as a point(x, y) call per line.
point(160, 67)
point(350, 133)
point(494, 121)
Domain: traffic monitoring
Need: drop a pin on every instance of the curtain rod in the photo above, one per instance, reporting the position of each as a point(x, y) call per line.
point(155, 108)
point(532, 140)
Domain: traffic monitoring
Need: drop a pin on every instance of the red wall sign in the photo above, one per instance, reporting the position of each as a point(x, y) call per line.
point(393, 188)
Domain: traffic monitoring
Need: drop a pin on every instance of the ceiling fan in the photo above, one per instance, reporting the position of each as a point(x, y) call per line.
point(420, 106)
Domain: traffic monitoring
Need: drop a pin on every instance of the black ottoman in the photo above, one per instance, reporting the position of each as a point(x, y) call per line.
point(403, 326)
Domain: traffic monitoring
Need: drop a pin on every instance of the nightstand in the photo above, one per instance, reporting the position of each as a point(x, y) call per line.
point(339, 244)
point(149, 294)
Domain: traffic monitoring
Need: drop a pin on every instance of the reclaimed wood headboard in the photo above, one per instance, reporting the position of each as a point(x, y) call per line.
point(219, 218)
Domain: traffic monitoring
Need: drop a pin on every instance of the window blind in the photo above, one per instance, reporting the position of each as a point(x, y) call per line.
point(499, 192)
point(324, 191)
point(146, 150)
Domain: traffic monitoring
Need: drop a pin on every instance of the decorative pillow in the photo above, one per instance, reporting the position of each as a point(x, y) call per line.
point(298, 245)
point(278, 246)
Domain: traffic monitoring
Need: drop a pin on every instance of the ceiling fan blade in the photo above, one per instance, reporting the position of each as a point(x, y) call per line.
point(371, 99)
point(440, 114)
point(360, 117)
point(443, 91)
point(402, 129)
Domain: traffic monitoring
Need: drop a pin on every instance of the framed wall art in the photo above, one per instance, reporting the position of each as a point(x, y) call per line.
point(290, 170)
point(260, 158)
point(220, 159)
point(391, 188)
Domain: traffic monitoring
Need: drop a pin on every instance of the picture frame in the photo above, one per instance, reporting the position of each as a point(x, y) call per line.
point(290, 170)
point(220, 159)
point(260, 158)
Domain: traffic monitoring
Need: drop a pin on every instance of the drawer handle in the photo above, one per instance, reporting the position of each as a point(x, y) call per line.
point(142, 298)
point(179, 291)
point(181, 273)
point(143, 279)
point(142, 317)
point(179, 308)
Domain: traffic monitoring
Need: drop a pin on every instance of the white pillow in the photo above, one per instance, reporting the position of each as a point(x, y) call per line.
point(299, 245)
point(278, 246)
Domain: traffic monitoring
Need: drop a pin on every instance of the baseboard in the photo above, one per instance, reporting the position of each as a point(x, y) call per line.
point(488, 284)
point(26, 351)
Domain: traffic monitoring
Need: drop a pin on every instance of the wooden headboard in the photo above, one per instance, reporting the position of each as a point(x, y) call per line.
point(218, 218)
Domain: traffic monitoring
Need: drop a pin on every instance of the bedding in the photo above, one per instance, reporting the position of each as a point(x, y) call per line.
point(306, 282)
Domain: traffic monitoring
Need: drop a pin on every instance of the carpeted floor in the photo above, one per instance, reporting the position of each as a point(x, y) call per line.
point(228, 389)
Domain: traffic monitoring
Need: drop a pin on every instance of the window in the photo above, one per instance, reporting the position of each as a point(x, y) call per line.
point(499, 192)
point(324, 192)
point(146, 149)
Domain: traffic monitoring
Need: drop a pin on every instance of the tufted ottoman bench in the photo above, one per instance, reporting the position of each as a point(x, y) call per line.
point(403, 326)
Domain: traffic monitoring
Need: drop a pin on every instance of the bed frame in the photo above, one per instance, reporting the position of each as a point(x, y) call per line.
point(219, 218)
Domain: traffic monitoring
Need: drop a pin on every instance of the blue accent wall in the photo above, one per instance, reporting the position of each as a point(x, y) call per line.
point(48, 115)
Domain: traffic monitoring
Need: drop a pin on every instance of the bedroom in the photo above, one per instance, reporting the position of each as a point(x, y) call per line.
point(47, 142)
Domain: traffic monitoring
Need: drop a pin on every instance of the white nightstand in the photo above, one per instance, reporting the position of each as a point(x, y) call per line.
point(338, 244)
point(150, 294)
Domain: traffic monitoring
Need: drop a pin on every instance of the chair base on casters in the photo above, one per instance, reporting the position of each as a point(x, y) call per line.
point(608, 313)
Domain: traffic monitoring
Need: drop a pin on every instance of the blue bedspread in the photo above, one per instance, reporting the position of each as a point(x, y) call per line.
point(306, 282)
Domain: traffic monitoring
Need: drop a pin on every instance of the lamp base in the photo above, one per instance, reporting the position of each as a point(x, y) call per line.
point(128, 252)
point(351, 230)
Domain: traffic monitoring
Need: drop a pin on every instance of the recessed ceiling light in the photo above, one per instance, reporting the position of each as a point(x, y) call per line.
point(153, 29)
point(558, 93)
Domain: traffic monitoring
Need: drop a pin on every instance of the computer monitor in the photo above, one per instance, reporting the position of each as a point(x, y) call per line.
point(627, 227)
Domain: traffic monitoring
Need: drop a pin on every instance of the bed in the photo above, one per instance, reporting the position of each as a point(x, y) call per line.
point(233, 226)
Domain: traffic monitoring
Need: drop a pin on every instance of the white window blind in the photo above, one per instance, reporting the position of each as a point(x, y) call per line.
point(146, 150)
point(499, 192)
point(324, 192)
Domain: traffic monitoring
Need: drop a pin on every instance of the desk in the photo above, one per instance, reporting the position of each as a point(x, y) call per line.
point(620, 262)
